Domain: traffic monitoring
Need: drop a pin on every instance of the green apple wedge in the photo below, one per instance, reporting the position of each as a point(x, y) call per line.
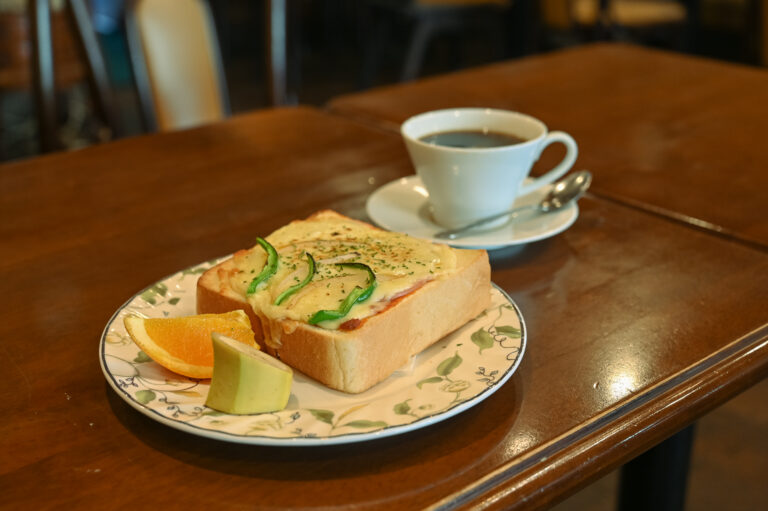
point(246, 380)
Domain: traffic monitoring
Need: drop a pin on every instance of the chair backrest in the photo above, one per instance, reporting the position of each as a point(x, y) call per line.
point(176, 62)
point(564, 14)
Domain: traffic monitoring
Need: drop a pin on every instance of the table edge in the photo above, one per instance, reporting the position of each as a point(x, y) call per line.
point(697, 389)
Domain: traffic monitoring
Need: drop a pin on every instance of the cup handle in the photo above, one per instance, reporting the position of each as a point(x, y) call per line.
point(561, 168)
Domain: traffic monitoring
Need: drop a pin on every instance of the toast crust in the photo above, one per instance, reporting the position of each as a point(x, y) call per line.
point(354, 360)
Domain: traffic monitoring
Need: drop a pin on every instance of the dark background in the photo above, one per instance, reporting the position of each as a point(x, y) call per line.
point(331, 53)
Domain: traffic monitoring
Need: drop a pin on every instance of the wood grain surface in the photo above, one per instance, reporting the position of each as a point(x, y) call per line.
point(637, 325)
point(673, 134)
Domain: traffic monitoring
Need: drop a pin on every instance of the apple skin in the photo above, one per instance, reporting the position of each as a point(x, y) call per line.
point(246, 380)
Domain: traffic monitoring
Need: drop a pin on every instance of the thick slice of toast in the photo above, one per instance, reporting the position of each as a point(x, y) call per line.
point(355, 358)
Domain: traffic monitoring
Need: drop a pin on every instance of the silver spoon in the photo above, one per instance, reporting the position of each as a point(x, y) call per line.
point(563, 193)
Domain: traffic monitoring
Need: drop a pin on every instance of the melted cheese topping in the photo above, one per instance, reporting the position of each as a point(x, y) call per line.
point(400, 263)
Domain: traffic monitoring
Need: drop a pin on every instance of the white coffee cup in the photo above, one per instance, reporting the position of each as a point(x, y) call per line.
point(469, 183)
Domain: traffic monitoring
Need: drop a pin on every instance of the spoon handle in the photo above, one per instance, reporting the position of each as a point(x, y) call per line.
point(452, 234)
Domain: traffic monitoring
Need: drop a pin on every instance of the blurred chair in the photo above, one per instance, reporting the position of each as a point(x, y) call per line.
point(176, 63)
point(53, 49)
point(615, 19)
point(428, 19)
point(762, 29)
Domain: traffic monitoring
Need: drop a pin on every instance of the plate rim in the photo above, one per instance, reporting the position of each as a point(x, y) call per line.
point(345, 438)
point(574, 207)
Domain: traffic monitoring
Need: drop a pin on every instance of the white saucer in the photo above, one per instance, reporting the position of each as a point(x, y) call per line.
point(402, 206)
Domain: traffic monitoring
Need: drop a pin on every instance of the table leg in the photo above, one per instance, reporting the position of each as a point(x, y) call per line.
point(657, 479)
point(277, 51)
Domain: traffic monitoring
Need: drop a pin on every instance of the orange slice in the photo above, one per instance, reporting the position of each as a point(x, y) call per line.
point(183, 345)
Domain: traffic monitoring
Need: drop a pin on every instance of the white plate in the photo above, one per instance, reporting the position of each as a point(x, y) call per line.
point(402, 206)
point(451, 376)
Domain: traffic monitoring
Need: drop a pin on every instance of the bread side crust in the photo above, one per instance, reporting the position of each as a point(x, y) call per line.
point(353, 361)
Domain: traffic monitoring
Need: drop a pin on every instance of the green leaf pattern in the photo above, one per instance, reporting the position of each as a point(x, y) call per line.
point(402, 408)
point(431, 379)
point(152, 294)
point(145, 396)
point(142, 358)
point(365, 424)
point(322, 415)
point(509, 331)
point(447, 366)
point(482, 339)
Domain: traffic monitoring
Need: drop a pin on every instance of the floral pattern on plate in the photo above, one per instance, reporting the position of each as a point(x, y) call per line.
point(447, 378)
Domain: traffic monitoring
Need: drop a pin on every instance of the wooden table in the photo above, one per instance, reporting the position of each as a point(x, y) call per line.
point(671, 134)
point(637, 325)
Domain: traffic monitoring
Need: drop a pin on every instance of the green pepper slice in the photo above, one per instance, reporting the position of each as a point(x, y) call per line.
point(269, 269)
point(357, 295)
point(311, 273)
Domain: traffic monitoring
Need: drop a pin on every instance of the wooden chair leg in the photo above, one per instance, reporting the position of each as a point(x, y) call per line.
point(43, 75)
point(372, 27)
point(277, 51)
point(98, 77)
point(43, 81)
point(417, 48)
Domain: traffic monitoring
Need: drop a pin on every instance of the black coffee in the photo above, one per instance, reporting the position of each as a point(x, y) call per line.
point(471, 139)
